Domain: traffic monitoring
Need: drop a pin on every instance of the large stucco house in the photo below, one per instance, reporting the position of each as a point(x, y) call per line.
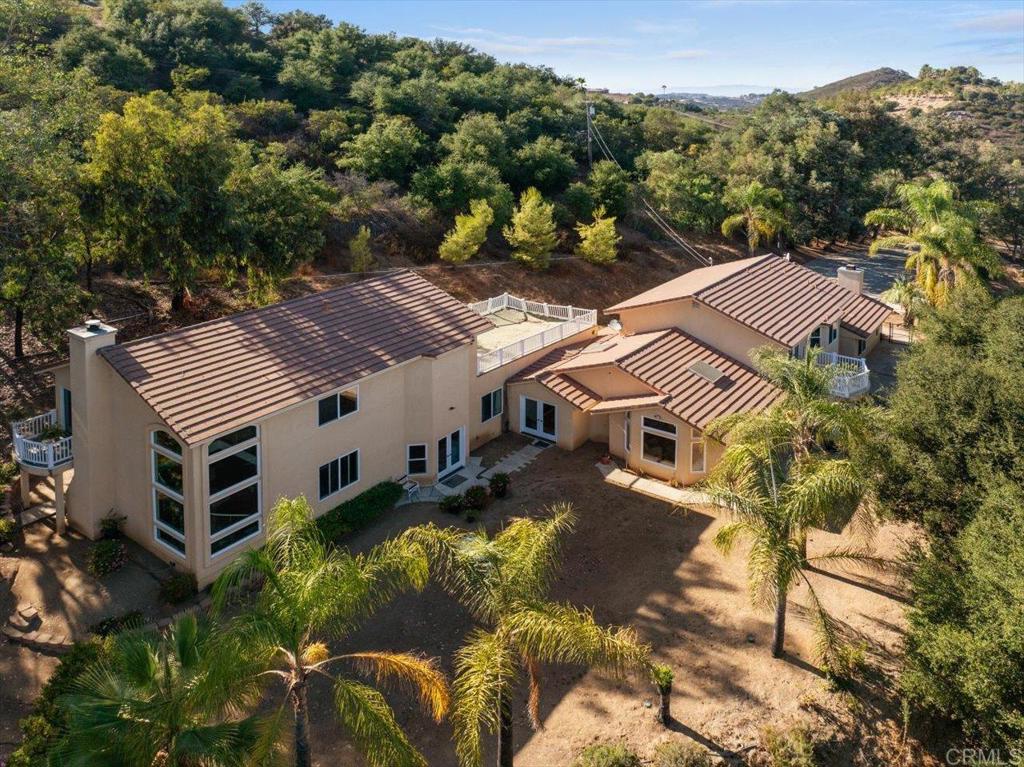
point(194, 433)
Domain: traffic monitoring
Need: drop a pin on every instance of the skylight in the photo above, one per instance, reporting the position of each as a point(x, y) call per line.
point(704, 370)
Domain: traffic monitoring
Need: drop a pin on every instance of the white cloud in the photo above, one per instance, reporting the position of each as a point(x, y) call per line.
point(490, 40)
point(665, 27)
point(689, 53)
point(995, 22)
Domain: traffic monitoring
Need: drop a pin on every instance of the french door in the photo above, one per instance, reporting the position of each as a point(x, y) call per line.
point(539, 418)
point(450, 453)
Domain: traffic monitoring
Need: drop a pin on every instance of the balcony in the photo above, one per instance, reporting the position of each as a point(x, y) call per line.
point(852, 378)
point(522, 327)
point(40, 445)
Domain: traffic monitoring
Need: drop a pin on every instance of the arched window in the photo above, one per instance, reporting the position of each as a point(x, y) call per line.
point(168, 492)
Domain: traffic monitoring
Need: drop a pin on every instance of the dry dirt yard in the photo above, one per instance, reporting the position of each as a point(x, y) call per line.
point(635, 563)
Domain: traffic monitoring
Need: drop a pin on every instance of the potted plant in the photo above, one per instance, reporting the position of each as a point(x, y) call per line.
point(499, 484)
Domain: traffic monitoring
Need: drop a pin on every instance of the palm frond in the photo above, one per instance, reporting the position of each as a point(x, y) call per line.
point(530, 551)
point(484, 670)
point(370, 721)
point(561, 633)
point(416, 674)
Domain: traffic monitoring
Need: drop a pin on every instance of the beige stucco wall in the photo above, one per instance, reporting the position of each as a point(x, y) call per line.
point(495, 379)
point(570, 422)
point(681, 473)
point(700, 321)
point(848, 342)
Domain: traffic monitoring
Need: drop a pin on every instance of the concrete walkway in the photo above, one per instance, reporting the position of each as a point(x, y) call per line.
point(515, 461)
point(677, 496)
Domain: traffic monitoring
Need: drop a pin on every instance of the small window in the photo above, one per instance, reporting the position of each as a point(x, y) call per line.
point(491, 405)
point(236, 437)
point(654, 423)
point(815, 340)
point(338, 474)
point(167, 442)
point(862, 345)
point(416, 459)
point(697, 452)
point(833, 332)
point(337, 406)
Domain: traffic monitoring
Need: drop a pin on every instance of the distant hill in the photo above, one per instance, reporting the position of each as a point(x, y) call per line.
point(865, 81)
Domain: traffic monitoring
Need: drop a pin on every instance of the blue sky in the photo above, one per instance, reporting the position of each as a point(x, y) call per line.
point(719, 46)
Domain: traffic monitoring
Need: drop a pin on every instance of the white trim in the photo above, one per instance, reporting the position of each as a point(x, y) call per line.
point(157, 488)
point(694, 441)
point(451, 468)
point(358, 479)
point(540, 418)
point(425, 459)
point(645, 429)
point(337, 394)
point(237, 487)
point(500, 391)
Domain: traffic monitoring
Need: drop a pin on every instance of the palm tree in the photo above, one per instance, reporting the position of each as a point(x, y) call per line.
point(504, 581)
point(312, 592)
point(761, 213)
point(155, 702)
point(804, 432)
point(907, 295)
point(941, 234)
point(773, 508)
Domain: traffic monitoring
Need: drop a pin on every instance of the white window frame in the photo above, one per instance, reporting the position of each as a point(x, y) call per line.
point(228, 491)
point(810, 338)
point(645, 429)
point(833, 333)
point(157, 487)
point(697, 438)
point(540, 420)
point(627, 437)
point(337, 395)
point(359, 472)
point(495, 412)
point(409, 459)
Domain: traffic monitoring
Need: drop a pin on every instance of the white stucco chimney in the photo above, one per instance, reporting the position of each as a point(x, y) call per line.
point(851, 277)
point(91, 494)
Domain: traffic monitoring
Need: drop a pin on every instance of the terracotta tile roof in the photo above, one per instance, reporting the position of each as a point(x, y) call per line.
point(209, 378)
point(864, 315)
point(545, 372)
point(615, 404)
point(665, 365)
point(778, 298)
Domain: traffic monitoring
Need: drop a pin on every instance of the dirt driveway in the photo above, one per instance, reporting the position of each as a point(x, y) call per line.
point(637, 564)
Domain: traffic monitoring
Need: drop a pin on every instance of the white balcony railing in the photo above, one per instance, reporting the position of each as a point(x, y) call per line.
point(574, 320)
point(40, 453)
point(852, 378)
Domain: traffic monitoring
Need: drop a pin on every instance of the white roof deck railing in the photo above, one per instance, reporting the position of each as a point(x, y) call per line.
point(853, 378)
point(574, 319)
point(40, 454)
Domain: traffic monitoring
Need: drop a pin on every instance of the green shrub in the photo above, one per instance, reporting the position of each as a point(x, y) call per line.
point(111, 524)
point(8, 471)
point(789, 748)
point(115, 624)
point(42, 728)
point(8, 527)
point(360, 511)
point(178, 587)
point(846, 664)
point(499, 484)
point(662, 675)
point(453, 504)
point(477, 498)
point(676, 753)
point(607, 755)
point(106, 557)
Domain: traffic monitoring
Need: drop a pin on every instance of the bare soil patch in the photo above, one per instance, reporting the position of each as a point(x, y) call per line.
point(635, 563)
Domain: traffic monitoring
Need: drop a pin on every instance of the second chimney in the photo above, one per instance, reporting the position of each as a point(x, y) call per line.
point(851, 277)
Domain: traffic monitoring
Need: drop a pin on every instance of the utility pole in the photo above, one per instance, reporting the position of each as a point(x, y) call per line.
point(590, 150)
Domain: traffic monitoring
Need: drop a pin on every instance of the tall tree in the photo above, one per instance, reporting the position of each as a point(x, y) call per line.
point(599, 241)
point(312, 592)
point(157, 700)
point(504, 582)
point(463, 242)
point(761, 213)
point(941, 233)
point(161, 167)
point(532, 230)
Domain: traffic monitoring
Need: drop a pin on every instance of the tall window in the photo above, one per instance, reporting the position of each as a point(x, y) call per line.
point(416, 459)
point(339, 473)
point(815, 340)
point(697, 451)
point(338, 405)
point(862, 345)
point(233, 468)
point(491, 405)
point(833, 332)
point(659, 441)
point(168, 492)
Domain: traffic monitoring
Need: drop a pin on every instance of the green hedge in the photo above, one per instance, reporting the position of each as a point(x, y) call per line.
point(359, 512)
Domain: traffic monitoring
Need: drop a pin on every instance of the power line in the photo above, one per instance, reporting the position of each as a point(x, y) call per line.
point(649, 209)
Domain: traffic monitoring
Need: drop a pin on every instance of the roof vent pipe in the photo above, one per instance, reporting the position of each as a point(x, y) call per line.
point(94, 325)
